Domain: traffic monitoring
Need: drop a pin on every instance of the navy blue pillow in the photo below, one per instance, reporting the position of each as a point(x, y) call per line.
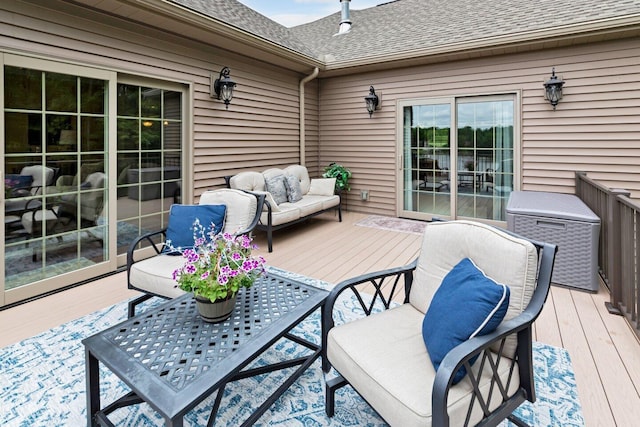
point(467, 303)
point(12, 180)
point(182, 217)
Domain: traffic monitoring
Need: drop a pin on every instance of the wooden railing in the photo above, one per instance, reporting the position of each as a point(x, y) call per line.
point(619, 246)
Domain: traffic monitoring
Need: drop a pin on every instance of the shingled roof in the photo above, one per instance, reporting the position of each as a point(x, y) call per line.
point(236, 14)
point(421, 27)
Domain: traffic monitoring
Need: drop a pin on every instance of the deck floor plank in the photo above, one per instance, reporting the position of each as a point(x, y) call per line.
point(591, 392)
point(604, 350)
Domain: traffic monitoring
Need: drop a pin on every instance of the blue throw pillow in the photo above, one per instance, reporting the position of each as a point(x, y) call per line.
point(182, 217)
point(467, 303)
point(17, 181)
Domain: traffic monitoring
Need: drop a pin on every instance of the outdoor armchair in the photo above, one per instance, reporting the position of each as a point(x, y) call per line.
point(153, 275)
point(388, 354)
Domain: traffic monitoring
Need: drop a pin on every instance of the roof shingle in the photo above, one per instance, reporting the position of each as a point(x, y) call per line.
point(415, 25)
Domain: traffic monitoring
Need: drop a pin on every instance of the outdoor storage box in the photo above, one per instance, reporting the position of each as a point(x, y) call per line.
point(564, 220)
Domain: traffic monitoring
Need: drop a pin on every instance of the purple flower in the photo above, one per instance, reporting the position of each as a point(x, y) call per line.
point(189, 268)
point(236, 256)
point(223, 279)
point(247, 266)
point(204, 275)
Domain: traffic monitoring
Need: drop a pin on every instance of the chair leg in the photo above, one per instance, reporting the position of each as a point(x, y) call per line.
point(517, 421)
point(330, 393)
point(270, 239)
point(134, 303)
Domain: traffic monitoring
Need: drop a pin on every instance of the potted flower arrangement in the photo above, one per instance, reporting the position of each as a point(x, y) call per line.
point(216, 268)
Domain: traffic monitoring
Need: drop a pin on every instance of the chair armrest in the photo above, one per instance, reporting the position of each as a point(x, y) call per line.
point(260, 203)
point(158, 247)
point(485, 345)
point(481, 347)
point(382, 293)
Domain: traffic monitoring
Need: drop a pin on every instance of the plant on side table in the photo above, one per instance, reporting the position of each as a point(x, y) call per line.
point(216, 268)
point(340, 173)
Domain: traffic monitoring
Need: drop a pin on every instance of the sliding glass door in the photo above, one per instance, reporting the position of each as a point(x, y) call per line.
point(457, 157)
point(89, 164)
point(55, 138)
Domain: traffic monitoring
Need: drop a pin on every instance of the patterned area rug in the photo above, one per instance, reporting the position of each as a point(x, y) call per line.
point(393, 224)
point(42, 383)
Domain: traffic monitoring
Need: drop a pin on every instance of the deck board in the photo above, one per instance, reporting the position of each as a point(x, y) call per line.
point(591, 392)
point(604, 350)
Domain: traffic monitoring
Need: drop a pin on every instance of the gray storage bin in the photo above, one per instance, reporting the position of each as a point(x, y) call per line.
point(564, 220)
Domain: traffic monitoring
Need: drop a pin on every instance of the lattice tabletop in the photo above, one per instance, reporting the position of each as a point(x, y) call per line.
point(176, 345)
point(173, 359)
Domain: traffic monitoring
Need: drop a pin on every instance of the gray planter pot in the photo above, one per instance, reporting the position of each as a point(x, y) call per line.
point(217, 311)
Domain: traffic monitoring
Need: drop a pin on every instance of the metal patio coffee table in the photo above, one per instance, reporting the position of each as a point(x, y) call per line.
point(173, 360)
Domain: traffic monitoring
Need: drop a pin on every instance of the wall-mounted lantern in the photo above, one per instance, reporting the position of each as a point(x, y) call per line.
point(222, 87)
point(553, 89)
point(372, 101)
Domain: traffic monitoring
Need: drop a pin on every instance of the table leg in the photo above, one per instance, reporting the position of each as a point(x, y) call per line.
point(93, 388)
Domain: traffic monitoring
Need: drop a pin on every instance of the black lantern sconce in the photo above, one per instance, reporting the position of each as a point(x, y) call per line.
point(553, 89)
point(372, 100)
point(222, 87)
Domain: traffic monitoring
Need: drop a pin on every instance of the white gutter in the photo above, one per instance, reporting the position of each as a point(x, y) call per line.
point(310, 77)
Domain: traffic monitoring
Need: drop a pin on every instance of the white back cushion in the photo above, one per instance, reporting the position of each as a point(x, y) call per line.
point(241, 207)
point(302, 174)
point(504, 258)
point(248, 181)
point(42, 176)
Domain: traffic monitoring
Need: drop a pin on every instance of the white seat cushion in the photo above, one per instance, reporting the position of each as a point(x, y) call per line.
point(287, 212)
point(309, 205)
point(385, 359)
point(48, 215)
point(155, 275)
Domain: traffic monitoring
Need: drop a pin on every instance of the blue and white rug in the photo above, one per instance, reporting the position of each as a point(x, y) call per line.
point(42, 383)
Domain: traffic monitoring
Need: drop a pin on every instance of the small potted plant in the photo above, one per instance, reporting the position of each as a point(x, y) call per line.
point(341, 174)
point(216, 268)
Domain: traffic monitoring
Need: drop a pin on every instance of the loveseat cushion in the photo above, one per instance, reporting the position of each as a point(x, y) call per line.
point(385, 359)
point(309, 205)
point(248, 181)
point(302, 174)
point(287, 212)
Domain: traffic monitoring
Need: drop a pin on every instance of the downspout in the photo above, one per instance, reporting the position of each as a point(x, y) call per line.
point(310, 77)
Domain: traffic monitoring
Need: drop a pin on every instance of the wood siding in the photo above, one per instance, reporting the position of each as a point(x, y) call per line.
point(259, 130)
point(595, 128)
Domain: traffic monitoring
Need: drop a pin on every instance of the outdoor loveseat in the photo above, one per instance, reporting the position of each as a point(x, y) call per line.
point(291, 196)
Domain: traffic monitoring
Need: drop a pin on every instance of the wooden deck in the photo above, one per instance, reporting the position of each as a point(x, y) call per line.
point(604, 351)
